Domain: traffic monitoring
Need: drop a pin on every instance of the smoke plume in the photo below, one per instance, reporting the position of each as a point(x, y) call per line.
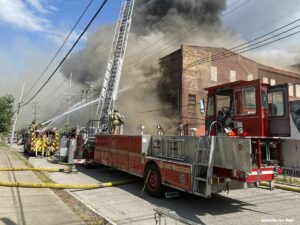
point(159, 27)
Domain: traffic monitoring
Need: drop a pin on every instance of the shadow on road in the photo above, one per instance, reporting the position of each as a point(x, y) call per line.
point(194, 206)
point(7, 221)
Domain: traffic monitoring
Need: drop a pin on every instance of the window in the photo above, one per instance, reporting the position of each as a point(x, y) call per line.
point(245, 101)
point(291, 90)
point(265, 80)
point(250, 77)
point(297, 90)
point(192, 104)
point(232, 76)
point(276, 103)
point(210, 106)
point(273, 82)
point(214, 73)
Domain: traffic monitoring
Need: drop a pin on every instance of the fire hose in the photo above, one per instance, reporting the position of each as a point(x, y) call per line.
point(66, 186)
point(283, 187)
point(36, 169)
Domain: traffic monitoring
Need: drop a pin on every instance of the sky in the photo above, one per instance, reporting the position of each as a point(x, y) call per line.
point(31, 31)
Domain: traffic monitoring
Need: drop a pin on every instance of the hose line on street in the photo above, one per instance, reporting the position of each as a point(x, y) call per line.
point(283, 187)
point(63, 170)
point(67, 186)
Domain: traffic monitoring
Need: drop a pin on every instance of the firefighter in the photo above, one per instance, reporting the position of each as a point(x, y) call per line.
point(116, 122)
point(32, 126)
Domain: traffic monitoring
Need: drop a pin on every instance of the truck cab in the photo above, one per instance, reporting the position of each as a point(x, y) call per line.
point(248, 108)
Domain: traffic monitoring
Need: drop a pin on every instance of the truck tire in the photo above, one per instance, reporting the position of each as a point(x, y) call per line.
point(153, 185)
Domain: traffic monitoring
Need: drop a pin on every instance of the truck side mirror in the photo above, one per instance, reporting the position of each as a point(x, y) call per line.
point(202, 106)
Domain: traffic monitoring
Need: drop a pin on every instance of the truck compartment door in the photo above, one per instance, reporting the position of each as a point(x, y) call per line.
point(279, 115)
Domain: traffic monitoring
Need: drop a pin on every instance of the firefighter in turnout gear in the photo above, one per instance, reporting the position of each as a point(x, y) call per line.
point(32, 127)
point(116, 121)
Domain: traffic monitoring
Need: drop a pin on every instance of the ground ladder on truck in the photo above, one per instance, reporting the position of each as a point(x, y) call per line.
point(203, 167)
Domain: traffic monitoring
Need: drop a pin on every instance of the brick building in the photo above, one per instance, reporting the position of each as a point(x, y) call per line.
point(185, 85)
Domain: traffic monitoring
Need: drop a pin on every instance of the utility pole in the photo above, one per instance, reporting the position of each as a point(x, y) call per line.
point(91, 95)
point(35, 113)
point(69, 102)
point(17, 113)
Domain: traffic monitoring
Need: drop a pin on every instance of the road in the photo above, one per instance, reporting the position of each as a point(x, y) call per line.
point(123, 204)
point(29, 206)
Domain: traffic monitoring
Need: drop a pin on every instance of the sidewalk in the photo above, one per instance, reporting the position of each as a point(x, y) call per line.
point(29, 206)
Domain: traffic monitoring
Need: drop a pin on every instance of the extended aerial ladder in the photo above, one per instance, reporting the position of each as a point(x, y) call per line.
point(114, 67)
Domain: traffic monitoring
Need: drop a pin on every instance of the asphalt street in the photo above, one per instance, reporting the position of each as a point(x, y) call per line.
point(123, 204)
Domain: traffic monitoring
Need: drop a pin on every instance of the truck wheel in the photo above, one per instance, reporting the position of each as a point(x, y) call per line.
point(154, 186)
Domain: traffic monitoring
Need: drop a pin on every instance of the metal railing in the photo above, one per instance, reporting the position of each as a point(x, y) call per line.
point(163, 216)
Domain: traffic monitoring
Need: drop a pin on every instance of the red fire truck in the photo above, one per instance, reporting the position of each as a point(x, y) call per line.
point(247, 123)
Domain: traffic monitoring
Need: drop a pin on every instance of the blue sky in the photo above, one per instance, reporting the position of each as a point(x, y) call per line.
point(34, 29)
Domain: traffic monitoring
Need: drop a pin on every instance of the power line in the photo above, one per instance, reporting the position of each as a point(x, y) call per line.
point(60, 48)
point(208, 59)
point(65, 57)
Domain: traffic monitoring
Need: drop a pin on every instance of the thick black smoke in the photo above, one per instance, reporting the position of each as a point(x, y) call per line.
point(171, 15)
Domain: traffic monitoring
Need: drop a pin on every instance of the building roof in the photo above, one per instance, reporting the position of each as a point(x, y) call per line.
point(279, 71)
point(260, 66)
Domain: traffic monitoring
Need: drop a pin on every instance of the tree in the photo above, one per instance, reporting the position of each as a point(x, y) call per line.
point(6, 113)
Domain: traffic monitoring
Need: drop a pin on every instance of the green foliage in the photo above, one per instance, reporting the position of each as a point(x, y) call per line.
point(6, 113)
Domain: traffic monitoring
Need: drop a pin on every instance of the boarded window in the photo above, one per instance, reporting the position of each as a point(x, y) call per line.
point(250, 76)
point(297, 90)
point(232, 76)
point(273, 82)
point(214, 73)
point(265, 80)
point(291, 90)
point(192, 104)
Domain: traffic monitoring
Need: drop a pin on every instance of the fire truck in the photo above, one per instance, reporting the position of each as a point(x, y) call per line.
point(42, 142)
point(248, 125)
